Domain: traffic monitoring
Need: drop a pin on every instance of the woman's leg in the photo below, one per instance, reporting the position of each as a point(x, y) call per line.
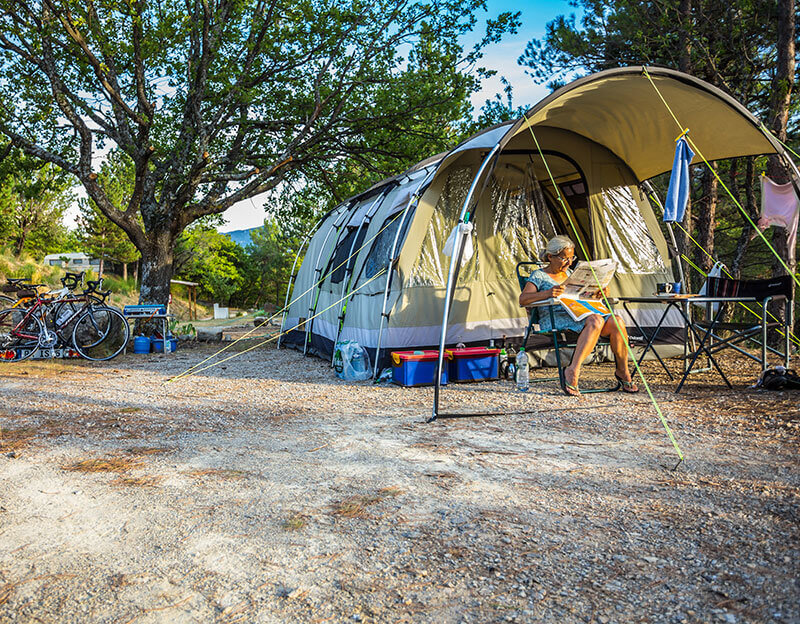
point(587, 339)
point(618, 337)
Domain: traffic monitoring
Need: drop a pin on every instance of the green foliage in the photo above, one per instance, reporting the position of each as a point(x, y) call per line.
point(269, 259)
point(212, 259)
point(118, 285)
point(33, 198)
point(99, 236)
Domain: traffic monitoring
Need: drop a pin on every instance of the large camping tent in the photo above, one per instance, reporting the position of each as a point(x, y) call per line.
point(375, 272)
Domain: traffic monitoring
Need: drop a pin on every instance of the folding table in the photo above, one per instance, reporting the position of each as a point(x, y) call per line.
point(709, 342)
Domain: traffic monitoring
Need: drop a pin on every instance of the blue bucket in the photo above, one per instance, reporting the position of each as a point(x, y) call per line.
point(141, 344)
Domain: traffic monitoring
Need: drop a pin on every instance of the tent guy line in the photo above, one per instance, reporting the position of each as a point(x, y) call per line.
point(268, 340)
point(792, 336)
point(285, 307)
point(722, 182)
point(631, 355)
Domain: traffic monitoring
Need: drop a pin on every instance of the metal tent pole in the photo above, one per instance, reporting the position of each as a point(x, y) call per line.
point(348, 269)
point(293, 276)
point(317, 281)
point(392, 259)
point(452, 276)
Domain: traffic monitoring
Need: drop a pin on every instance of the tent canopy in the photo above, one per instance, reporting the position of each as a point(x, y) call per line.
point(620, 109)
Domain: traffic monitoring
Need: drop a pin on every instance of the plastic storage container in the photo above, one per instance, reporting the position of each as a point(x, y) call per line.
point(158, 345)
point(141, 344)
point(416, 368)
point(472, 364)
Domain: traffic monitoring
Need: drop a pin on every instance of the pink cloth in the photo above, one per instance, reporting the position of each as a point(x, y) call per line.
point(780, 206)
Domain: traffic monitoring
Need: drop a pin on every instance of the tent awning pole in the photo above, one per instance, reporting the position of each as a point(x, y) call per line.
point(452, 276)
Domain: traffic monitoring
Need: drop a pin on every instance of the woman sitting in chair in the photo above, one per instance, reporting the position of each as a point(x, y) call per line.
point(545, 284)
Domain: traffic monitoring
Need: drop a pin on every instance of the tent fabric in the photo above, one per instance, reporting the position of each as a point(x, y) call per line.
point(600, 138)
point(679, 183)
point(620, 109)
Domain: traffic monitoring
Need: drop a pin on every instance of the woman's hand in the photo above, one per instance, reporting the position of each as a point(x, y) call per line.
point(598, 294)
point(555, 291)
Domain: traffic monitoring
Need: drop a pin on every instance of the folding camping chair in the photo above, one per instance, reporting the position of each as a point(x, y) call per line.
point(557, 339)
point(759, 292)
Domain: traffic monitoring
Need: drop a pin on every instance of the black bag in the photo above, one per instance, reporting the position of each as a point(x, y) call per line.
point(779, 378)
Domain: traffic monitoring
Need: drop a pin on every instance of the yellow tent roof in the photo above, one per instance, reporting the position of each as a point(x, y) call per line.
point(622, 110)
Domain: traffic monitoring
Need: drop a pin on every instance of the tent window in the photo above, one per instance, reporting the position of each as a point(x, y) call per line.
point(432, 266)
point(628, 237)
point(378, 257)
point(340, 258)
point(521, 220)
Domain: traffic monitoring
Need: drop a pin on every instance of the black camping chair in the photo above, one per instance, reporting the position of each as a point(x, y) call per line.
point(752, 332)
point(557, 339)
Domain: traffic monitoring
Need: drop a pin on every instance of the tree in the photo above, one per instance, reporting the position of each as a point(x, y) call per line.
point(270, 256)
point(99, 236)
point(33, 198)
point(215, 102)
point(212, 259)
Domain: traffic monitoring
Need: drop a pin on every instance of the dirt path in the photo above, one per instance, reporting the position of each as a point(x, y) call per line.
point(266, 490)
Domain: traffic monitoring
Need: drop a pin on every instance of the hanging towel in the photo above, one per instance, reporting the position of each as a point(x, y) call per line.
point(780, 206)
point(679, 182)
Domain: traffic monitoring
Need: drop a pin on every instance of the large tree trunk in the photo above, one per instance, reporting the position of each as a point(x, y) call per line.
point(748, 233)
point(157, 258)
point(779, 116)
point(707, 219)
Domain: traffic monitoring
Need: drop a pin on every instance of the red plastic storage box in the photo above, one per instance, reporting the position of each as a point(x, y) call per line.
point(472, 364)
point(416, 368)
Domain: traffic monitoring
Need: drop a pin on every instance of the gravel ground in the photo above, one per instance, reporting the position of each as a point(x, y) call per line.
point(266, 490)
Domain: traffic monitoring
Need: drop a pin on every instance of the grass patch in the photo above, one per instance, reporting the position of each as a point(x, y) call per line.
point(15, 439)
point(147, 450)
point(294, 522)
point(356, 506)
point(220, 473)
point(144, 481)
point(111, 464)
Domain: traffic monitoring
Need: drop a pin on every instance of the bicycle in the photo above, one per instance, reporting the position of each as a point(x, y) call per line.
point(96, 331)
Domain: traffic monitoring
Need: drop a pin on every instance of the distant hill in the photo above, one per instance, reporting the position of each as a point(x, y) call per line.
point(241, 237)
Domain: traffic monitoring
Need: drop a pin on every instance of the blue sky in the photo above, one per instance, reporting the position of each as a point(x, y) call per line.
point(502, 57)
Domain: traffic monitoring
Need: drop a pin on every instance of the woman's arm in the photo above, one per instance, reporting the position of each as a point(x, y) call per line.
point(530, 294)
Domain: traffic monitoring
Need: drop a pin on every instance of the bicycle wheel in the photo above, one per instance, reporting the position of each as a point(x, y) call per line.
point(19, 335)
point(101, 333)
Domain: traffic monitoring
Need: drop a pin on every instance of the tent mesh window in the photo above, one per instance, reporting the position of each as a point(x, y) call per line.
point(628, 236)
point(521, 221)
point(378, 257)
point(432, 266)
point(340, 261)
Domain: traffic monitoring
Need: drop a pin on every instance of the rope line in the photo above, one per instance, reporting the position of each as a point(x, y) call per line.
point(292, 302)
point(606, 301)
point(274, 336)
point(722, 182)
point(766, 130)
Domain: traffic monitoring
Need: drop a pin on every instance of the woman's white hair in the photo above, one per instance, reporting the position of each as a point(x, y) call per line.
point(556, 245)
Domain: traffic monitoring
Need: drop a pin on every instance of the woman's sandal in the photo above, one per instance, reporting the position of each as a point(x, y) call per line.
point(570, 389)
point(627, 386)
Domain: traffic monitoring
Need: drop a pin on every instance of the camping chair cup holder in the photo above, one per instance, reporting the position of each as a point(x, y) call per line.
point(558, 340)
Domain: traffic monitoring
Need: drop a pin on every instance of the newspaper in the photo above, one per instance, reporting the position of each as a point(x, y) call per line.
point(583, 282)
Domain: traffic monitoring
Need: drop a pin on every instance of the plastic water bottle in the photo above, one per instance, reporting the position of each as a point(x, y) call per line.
point(523, 378)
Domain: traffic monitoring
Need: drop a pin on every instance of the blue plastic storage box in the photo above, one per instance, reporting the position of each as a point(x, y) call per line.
point(158, 345)
point(416, 368)
point(472, 364)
